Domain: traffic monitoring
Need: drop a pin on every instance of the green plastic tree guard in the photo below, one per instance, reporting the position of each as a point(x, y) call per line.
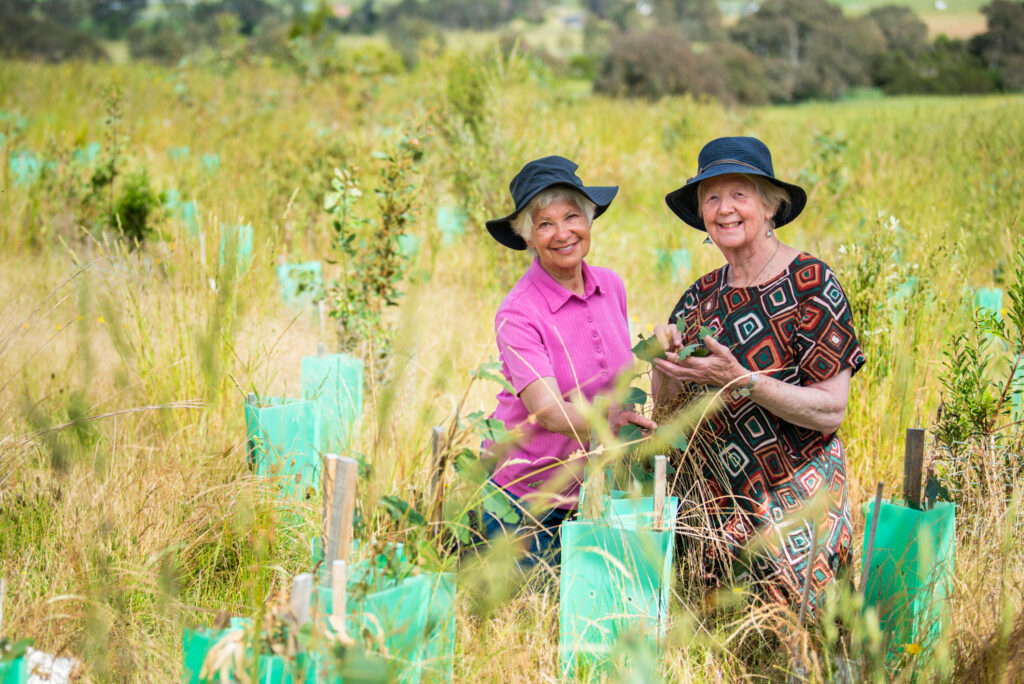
point(302, 283)
point(284, 440)
point(615, 581)
point(335, 382)
point(911, 572)
point(989, 299)
point(196, 644)
point(451, 221)
point(14, 671)
point(242, 239)
point(675, 261)
point(415, 614)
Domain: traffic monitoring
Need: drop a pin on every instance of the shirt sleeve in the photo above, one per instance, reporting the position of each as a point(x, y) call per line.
point(521, 349)
point(826, 342)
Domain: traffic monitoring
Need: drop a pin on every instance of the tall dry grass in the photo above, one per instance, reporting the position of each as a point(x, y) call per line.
point(126, 509)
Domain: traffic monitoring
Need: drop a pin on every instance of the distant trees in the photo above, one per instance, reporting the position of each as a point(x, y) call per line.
point(809, 49)
point(655, 64)
point(781, 51)
point(1001, 47)
point(49, 30)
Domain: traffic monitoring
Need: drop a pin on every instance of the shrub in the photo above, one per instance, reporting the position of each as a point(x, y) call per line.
point(160, 44)
point(411, 37)
point(656, 64)
point(133, 208)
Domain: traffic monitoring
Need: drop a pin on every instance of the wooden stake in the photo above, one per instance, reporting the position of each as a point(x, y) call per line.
point(871, 539)
point(913, 462)
point(343, 503)
point(339, 578)
point(302, 594)
point(329, 470)
point(321, 349)
point(660, 462)
point(437, 439)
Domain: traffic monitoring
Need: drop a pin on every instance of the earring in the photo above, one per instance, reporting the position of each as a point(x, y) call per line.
point(771, 226)
point(707, 240)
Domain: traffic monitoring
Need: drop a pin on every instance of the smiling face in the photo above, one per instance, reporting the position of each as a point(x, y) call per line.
point(561, 236)
point(735, 215)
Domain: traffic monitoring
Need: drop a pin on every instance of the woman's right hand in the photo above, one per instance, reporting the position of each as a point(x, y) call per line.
point(669, 337)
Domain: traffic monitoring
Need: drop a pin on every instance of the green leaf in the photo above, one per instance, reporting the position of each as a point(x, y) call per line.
point(487, 375)
point(401, 512)
point(705, 331)
point(493, 429)
point(460, 528)
point(648, 349)
point(12, 650)
point(469, 467)
point(498, 505)
point(630, 433)
point(687, 351)
point(635, 395)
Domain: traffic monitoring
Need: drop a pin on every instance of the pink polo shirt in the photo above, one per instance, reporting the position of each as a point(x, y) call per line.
point(544, 330)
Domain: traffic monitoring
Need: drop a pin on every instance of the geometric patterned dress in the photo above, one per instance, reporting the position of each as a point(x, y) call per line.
point(760, 473)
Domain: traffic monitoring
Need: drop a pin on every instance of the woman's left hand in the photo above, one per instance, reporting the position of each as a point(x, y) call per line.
point(717, 369)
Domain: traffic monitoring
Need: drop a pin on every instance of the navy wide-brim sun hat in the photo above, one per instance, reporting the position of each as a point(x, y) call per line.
point(739, 154)
point(534, 178)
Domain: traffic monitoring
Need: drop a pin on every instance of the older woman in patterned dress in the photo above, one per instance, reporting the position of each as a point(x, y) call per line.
point(782, 355)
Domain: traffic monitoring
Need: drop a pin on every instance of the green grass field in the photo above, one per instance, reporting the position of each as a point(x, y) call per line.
point(126, 508)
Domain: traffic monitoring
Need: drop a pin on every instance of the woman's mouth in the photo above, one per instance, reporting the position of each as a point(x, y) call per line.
point(566, 249)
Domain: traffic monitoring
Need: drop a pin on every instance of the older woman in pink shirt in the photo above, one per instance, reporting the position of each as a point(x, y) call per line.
point(562, 333)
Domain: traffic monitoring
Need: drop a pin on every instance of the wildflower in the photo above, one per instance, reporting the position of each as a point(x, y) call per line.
point(59, 326)
point(912, 649)
point(100, 319)
point(650, 327)
point(25, 326)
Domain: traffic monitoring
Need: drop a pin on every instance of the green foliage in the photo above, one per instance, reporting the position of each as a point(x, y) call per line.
point(413, 38)
point(980, 377)
point(1002, 45)
point(656, 64)
point(12, 650)
point(648, 349)
point(809, 48)
point(134, 208)
point(369, 251)
point(872, 272)
point(40, 35)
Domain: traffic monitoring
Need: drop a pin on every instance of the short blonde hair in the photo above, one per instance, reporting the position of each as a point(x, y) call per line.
point(522, 224)
point(774, 197)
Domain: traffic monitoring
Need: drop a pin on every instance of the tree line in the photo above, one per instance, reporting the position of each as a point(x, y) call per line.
point(777, 51)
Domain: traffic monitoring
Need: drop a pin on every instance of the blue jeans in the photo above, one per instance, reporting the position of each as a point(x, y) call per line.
point(539, 530)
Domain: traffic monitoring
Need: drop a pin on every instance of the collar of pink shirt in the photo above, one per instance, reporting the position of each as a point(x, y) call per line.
point(554, 293)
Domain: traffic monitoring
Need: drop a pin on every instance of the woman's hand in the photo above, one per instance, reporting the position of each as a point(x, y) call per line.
point(717, 369)
point(669, 337)
point(620, 419)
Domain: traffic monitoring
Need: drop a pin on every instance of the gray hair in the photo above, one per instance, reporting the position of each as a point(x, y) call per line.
point(772, 195)
point(522, 224)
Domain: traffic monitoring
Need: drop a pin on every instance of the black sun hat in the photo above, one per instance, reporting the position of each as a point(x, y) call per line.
point(534, 178)
point(733, 155)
